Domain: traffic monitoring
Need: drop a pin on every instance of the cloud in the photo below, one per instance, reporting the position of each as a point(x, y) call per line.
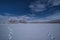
point(5, 19)
point(54, 16)
point(30, 18)
point(37, 6)
point(41, 5)
point(56, 2)
point(8, 14)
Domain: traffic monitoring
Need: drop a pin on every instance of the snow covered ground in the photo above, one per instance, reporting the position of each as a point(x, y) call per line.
point(29, 31)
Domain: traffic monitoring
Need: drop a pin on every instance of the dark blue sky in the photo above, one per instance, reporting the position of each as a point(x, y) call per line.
point(14, 6)
point(21, 7)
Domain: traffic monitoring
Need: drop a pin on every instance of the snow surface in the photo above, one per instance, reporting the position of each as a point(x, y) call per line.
point(30, 31)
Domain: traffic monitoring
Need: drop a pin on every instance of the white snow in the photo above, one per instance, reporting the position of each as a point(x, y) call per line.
point(34, 31)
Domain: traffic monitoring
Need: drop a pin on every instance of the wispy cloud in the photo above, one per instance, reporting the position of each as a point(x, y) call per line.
point(56, 2)
point(41, 5)
point(37, 6)
point(8, 14)
point(5, 19)
point(54, 16)
point(24, 17)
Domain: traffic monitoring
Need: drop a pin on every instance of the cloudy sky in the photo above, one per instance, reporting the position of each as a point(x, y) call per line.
point(30, 9)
